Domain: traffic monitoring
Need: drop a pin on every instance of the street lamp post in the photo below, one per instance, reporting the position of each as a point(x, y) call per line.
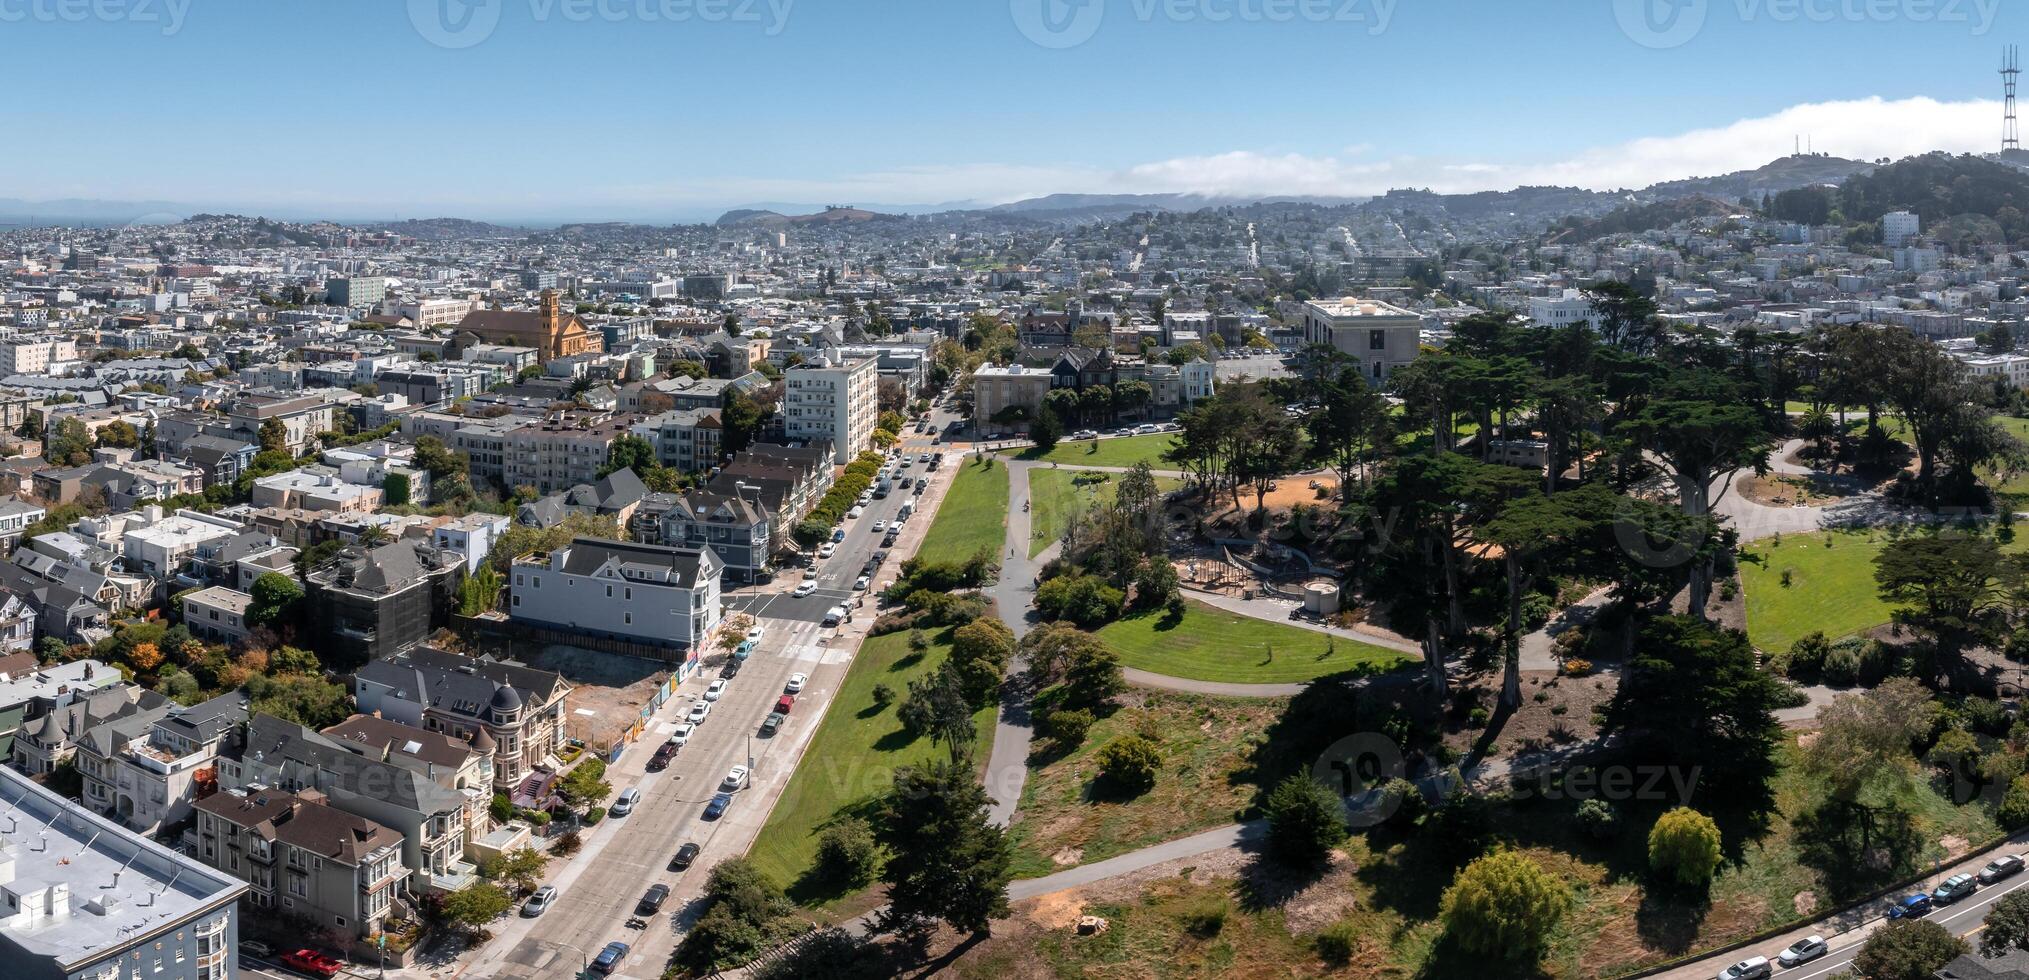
point(584, 959)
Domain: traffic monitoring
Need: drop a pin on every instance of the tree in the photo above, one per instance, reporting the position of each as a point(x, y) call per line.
point(520, 869)
point(743, 914)
point(274, 435)
point(1693, 694)
point(980, 651)
point(2007, 926)
point(472, 907)
point(585, 783)
point(1908, 949)
point(275, 599)
point(630, 452)
point(307, 700)
point(937, 707)
point(1948, 577)
point(1624, 318)
point(1046, 431)
point(848, 854)
point(68, 444)
point(946, 860)
point(120, 434)
point(1504, 907)
point(1684, 847)
point(1129, 764)
point(1349, 428)
point(1305, 820)
point(1092, 674)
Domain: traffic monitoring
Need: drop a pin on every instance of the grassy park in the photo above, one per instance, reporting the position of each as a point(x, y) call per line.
point(1211, 644)
point(1797, 584)
point(1122, 452)
point(973, 515)
point(849, 762)
point(1055, 495)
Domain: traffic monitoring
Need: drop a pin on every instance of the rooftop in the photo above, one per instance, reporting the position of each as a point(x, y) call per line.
point(118, 888)
point(1352, 306)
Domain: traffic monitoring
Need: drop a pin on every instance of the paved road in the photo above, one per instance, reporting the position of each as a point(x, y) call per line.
point(623, 856)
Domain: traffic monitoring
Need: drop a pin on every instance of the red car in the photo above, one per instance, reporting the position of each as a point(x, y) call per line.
point(784, 703)
point(311, 962)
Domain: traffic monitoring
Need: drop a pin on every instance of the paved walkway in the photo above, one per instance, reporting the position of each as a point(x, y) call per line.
point(1007, 764)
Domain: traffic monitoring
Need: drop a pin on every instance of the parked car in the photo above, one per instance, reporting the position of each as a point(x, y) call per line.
point(880, 526)
point(660, 760)
point(1803, 951)
point(624, 803)
point(1954, 888)
point(755, 632)
point(771, 724)
point(860, 584)
point(609, 958)
point(717, 807)
point(784, 703)
point(731, 669)
point(805, 589)
point(796, 682)
point(539, 902)
point(922, 457)
point(684, 856)
point(698, 712)
point(1751, 968)
point(744, 650)
point(681, 735)
point(2006, 866)
point(736, 778)
point(652, 899)
point(716, 691)
point(838, 534)
point(256, 949)
point(1911, 907)
point(853, 514)
point(920, 487)
point(312, 962)
point(826, 550)
point(894, 535)
point(834, 616)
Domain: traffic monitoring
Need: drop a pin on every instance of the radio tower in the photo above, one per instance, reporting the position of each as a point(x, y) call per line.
point(2011, 73)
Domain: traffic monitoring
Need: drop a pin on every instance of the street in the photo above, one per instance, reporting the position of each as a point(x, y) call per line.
point(623, 856)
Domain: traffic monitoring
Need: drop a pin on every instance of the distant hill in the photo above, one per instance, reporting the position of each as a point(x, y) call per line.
point(444, 229)
point(1637, 218)
point(1788, 173)
point(829, 216)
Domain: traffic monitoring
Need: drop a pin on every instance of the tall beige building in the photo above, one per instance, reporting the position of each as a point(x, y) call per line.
point(833, 398)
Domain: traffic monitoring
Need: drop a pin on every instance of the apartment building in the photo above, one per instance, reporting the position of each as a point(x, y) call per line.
point(303, 857)
point(355, 292)
point(37, 355)
point(146, 771)
point(562, 451)
point(686, 440)
point(1377, 336)
point(648, 594)
point(511, 713)
point(302, 419)
point(82, 898)
point(217, 614)
point(832, 399)
point(1006, 398)
point(371, 602)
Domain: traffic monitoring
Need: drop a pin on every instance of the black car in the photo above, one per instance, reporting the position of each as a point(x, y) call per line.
point(771, 725)
point(684, 856)
point(2001, 867)
point(731, 670)
point(880, 558)
point(660, 760)
point(651, 902)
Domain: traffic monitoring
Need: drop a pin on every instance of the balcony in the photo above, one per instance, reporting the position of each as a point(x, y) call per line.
point(459, 874)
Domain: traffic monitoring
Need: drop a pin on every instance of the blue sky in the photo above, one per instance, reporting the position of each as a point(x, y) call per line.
point(608, 108)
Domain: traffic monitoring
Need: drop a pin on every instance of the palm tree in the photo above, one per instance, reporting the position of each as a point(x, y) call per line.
point(1818, 426)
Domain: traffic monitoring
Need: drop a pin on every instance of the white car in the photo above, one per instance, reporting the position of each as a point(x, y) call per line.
point(826, 550)
point(1803, 951)
point(736, 778)
point(681, 735)
point(716, 691)
point(860, 585)
point(853, 514)
point(1751, 968)
point(805, 589)
point(795, 685)
point(880, 526)
point(698, 712)
point(754, 633)
point(1084, 434)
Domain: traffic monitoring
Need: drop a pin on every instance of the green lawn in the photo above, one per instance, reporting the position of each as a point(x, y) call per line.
point(973, 515)
point(1211, 644)
point(1054, 495)
point(1831, 589)
point(1122, 452)
point(850, 761)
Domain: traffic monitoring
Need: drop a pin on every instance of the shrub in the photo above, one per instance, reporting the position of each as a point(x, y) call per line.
point(1986, 716)
point(1402, 802)
point(1807, 655)
point(883, 695)
point(1129, 763)
point(1598, 819)
point(1085, 600)
point(1684, 847)
point(1305, 820)
point(594, 815)
point(566, 844)
point(1578, 668)
point(1504, 907)
point(1336, 943)
point(2013, 813)
point(1067, 727)
point(847, 854)
point(1204, 917)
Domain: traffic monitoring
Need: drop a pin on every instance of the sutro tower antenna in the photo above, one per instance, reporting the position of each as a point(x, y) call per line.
point(2011, 73)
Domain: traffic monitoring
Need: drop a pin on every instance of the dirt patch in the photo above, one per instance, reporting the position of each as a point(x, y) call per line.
point(1556, 713)
point(1325, 901)
point(1068, 857)
point(1954, 846)
point(1058, 911)
point(1805, 902)
point(1786, 490)
point(608, 690)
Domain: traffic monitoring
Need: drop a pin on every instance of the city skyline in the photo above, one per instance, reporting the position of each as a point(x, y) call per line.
point(612, 110)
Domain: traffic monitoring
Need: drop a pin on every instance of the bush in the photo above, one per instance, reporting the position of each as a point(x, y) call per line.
point(1204, 917)
point(1129, 763)
point(883, 695)
point(594, 815)
point(1305, 820)
point(566, 844)
point(1503, 907)
point(1598, 819)
point(2013, 813)
point(1577, 668)
point(1336, 943)
point(1684, 847)
point(1986, 716)
point(1807, 655)
point(1085, 600)
point(1067, 727)
point(1402, 802)
point(847, 854)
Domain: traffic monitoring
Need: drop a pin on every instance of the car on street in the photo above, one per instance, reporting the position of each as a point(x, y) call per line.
point(609, 958)
point(922, 457)
point(716, 691)
point(826, 550)
point(837, 534)
point(681, 735)
point(785, 703)
point(755, 632)
point(698, 712)
point(539, 902)
point(1911, 907)
point(860, 584)
point(894, 535)
point(796, 682)
point(624, 803)
point(744, 650)
point(717, 807)
point(834, 616)
point(256, 949)
point(660, 760)
point(853, 514)
point(684, 856)
point(730, 670)
point(920, 487)
point(880, 526)
point(652, 899)
point(312, 962)
point(1751, 968)
point(771, 724)
point(2006, 866)
point(736, 778)
point(804, 589)
point(1803, 951)
point(1954, 888)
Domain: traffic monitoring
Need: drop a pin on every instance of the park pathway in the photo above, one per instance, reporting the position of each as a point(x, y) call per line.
point(1013, 594)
